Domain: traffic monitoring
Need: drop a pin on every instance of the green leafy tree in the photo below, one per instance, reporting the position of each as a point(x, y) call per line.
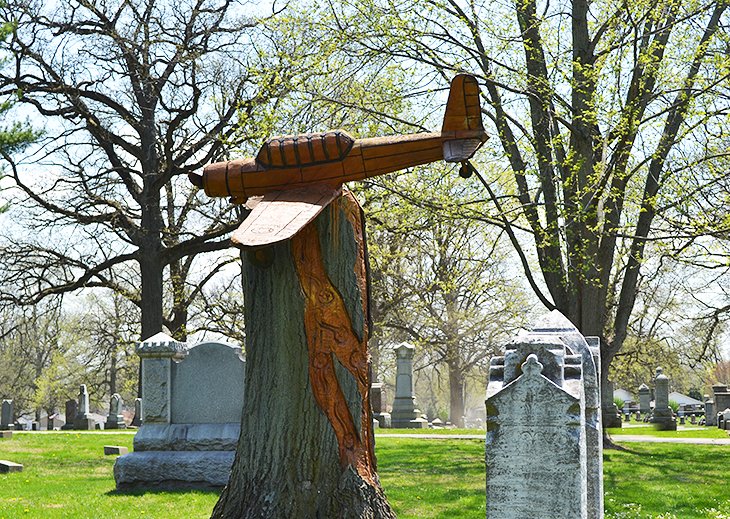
point(604, 115)
point(441, 282)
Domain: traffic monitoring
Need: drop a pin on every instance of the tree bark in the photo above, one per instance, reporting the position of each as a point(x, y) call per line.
point(307, 447)
point(456, 395)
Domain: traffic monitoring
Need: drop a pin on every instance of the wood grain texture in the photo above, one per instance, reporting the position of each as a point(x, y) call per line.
point(289, 461)
point(330, 337)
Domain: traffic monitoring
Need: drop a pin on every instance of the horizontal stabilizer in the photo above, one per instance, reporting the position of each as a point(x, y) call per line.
point(281, 214)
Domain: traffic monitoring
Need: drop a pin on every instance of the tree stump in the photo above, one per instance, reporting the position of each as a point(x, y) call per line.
point(307, 447)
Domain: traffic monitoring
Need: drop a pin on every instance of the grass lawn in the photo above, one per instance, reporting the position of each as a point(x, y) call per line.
point(67, 475)
point(688, 432)
point(386, 432)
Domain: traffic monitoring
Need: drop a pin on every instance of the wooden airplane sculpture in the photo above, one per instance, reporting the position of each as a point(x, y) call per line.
point(299, 176)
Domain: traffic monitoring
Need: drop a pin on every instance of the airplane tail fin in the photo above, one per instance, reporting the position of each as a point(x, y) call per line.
point(463, 119)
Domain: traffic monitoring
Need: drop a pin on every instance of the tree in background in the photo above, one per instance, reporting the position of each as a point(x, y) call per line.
point(37, 367)
point(135, 95)
point(600, 112)
point(441, 281)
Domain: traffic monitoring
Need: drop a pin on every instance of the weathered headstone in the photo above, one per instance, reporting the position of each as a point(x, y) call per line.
point(83, 420)
point(115, 420)
point(8, 466)
point(556, 324)
point(544, 436)
point(137, 420)
point(609, 411)
point(721, 397)
point(72, 409)
point(535, 447)
point(662, 417)
point(110, 450)
point(6, 416)
point(723, 420)
point(644, 399)
point(191, 416)
point(376, 400)
point(405, 415)
point(6, 434)
point(710, 417)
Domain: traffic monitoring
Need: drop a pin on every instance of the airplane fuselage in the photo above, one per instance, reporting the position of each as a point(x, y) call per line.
point(293, 162)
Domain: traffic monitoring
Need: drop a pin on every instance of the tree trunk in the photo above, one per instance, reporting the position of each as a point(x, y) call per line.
point(456, 395)
point(307, 447)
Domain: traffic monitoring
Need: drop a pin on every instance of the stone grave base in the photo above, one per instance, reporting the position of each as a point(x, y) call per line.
point(384, 420)
point(418, 423)
point(173, 469)
point(187, 437)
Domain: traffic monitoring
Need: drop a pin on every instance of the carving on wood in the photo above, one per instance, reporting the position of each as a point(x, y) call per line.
point(330, 336)
point(317, 164)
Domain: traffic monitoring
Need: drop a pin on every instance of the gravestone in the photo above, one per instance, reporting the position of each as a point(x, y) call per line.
point(6, 416)
point(721, 397)
point(115, 420)
point(644, 399)
point(72, 409)
point(710, 417)
point(723, 420)
point(609, 411)
point(137, 419)
point(111, 450)
point(8, 466)
point(84, 421)
point(405, 415)
point(544, 440)
point(192, 400)
point(376, 400)
point(555, 324)
point(535, 445)
point(662, 417)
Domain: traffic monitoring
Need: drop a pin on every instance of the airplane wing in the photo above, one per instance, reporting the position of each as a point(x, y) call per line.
point(279, 215)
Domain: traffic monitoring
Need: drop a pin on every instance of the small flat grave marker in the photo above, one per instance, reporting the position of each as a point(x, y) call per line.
point(115, 449)
point(8, 466)
point(6, 434)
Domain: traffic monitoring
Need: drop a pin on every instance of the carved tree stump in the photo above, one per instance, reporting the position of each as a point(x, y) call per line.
point(306, 446)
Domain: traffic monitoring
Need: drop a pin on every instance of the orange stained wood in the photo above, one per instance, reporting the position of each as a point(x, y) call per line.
point(330, 336)
point(334, 157)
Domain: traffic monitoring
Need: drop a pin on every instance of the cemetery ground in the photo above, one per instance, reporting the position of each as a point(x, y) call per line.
point(67, 475)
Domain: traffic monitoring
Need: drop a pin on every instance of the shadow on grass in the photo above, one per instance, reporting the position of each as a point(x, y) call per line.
point(164, 490)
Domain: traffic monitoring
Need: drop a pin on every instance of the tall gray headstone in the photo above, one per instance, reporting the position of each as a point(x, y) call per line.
point(710, 417)
point(137, 420)
point(405, 415)
point(721, 397)
point(72, 409)
point(663, 417)
point(115, 420)
point(84, 421)
point(555, 324)
point(192, 402)
point(6, 416)
point(644, 399)
point(536, 443)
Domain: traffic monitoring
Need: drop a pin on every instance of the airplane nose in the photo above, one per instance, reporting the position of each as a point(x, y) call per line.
point(196, 180)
